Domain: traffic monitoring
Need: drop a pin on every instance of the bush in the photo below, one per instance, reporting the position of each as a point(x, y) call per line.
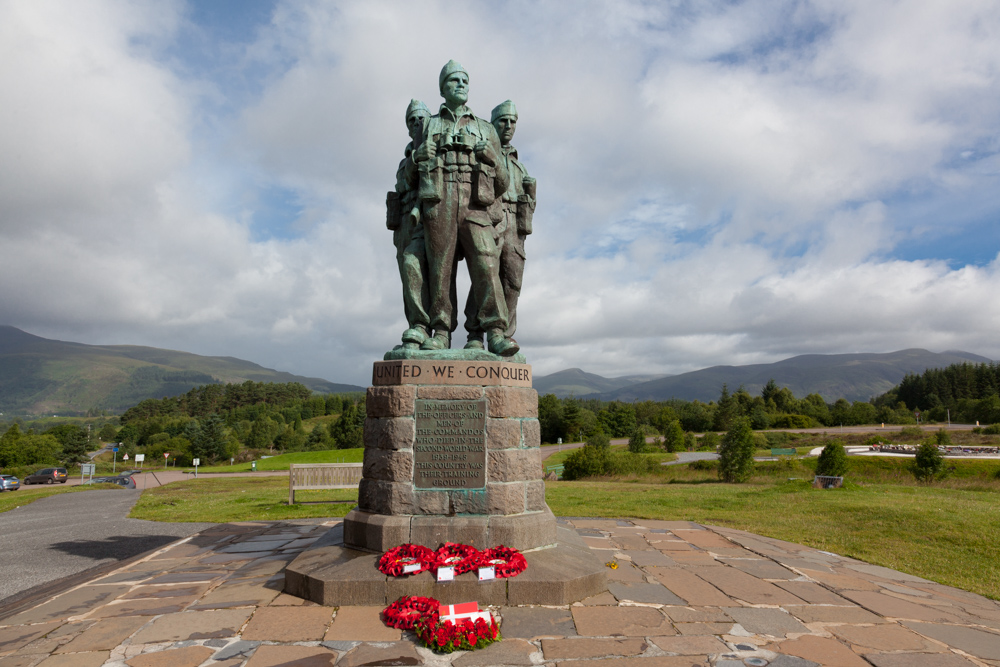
point(928, 462)
point(792, 421)
point(709, 442)
point(875, 440)
point(588, 461)
point(832, 460)
point(942, 438)
point(599, 440)
point(736, 452)
point(703, 464)
point(673, 436)
point(637, 442)
point(911, 432)
point(627, 463)
point(993, 429)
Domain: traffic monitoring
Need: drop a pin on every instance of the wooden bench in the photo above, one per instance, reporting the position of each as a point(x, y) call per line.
point(313, 476)
point(783, 451)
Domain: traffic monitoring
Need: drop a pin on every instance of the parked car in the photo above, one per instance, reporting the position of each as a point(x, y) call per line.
point(127, 482)
point(9, 483)
point(46, 476)
point(129, 473)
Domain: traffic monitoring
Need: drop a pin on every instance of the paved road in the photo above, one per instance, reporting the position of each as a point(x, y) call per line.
point(154, 478)
point(68, 533)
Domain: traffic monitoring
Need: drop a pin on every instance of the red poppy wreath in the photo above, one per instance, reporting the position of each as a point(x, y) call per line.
point(404, 559)
point(407, 611)
point(460, 556)
point(506, 562)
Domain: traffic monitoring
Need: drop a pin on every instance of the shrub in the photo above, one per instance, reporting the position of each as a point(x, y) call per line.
point(736, 452)
point(993, 429)
point(792, 421)
point(875, 440)
point(588, 461)
point(832, 460)
point(599, 440)
point(709, 442)
point(627, 463)
point(942, 438)
point(690, 444)
point(928, 462)
point(673, 436)
point(637, 442)
point(911, 432)
point(703, 464)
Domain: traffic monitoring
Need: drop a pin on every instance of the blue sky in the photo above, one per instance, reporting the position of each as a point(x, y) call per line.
point(719, 182)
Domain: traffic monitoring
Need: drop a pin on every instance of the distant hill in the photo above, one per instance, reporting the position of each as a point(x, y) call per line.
point(575, 382)
point(42, 376)
point(856, 377)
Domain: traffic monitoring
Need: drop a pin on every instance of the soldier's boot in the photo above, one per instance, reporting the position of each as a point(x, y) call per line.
point(441, 340)
point(501, 345)
point(415, 336)
point(475, 341)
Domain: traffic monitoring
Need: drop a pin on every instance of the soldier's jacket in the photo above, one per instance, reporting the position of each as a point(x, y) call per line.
point(451, 163)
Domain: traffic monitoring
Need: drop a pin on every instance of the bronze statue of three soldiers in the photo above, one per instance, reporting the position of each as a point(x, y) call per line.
point(461, 193)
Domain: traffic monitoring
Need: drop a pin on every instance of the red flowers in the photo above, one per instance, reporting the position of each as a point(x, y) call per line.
point(506, 562)
point(407, 611)
point(461, 636)
point(460, 556)
point(406, 559)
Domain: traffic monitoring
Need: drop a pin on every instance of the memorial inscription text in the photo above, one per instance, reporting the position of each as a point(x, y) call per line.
point(450, 450)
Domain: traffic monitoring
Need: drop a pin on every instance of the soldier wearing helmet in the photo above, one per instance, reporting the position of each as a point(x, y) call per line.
point(403, 218)
point(518, 206)
point(461, 179)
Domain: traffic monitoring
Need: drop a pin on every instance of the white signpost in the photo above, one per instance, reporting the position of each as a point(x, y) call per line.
point(86, 469)
point(196, 462)
point(166, 455)
point(139, 458)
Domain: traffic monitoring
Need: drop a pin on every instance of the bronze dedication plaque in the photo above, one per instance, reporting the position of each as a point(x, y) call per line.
point(450, 451)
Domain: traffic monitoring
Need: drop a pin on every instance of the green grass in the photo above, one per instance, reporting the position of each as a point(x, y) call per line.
point(946, 535)
point(237, 499)
point(559, 458)
point(281, 461)
point(12, 499)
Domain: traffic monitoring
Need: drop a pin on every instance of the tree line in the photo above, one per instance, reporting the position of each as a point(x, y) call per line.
point(776, 407)
point(964, 392)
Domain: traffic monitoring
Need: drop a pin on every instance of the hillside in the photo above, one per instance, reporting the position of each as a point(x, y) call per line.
point(575, 382)
point(42, 376)
point(856, 377)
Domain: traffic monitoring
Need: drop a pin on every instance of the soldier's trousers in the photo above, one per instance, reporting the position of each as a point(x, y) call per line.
point(411, 256)
point(448, 228)
point(511, 273)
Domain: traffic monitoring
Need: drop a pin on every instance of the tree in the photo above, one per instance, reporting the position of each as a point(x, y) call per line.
point(74, 449)
point(212, 440)
point(673, 437)
point(832, 460)
point(727, 410)
point(108, 433)
point(618, 419)
point(588, 461)
point(348, 431)
point(690, 442)
point(637, 442)
point(10, 451)
point(736, 452)
point(550, 418)
point(928, 462)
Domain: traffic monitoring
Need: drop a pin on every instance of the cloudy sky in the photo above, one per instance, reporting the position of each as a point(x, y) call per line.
point(719, 182)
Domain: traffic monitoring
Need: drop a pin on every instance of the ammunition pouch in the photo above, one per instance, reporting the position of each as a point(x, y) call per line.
point(525, 211)
point(429, 182)
point(393, 210)
point(483, 178)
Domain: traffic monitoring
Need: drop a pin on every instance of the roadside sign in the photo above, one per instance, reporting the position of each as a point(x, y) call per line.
point(114, 449)
point(196, 462)
point(166, 455)
point(86, 469)
point(125, 458)
point(139, 458)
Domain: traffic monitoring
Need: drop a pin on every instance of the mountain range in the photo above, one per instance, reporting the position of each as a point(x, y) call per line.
point(856, 377)
point(40, 376)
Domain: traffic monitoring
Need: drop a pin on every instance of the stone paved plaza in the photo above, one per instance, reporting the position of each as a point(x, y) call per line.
point(684, 595)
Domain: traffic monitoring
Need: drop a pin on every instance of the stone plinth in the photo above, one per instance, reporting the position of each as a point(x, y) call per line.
point(451, 455)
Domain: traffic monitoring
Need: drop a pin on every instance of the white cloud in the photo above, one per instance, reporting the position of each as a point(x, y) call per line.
point(718, 183)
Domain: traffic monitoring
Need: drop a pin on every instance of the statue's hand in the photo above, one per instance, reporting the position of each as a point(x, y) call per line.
point(485, 153)
point(425, 151)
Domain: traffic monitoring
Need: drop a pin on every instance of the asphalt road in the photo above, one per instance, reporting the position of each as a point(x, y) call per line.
point(65, 534)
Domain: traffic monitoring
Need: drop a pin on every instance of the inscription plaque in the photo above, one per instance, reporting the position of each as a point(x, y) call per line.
point(450, 449)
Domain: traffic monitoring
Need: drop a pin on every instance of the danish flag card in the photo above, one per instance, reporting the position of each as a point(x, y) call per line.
point(450, 613)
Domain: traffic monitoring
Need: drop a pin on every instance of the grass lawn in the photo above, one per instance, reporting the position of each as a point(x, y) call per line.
point(12, 499)
point(281, 461)
point(237, 499)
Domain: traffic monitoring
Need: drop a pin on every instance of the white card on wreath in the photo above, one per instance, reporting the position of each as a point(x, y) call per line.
point(412, 567)
point(446, 574)
point(487, 573)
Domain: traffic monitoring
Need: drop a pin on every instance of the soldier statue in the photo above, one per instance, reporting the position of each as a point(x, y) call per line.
point(518, 207)
point(461, 179)
point(403, 218)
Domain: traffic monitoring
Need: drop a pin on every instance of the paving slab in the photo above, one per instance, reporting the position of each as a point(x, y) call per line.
point(536, 622)
point(585, 647)
point(772, 622)
point(891, 607)
point(394, 653)
point(827, 652)
point(188, 656)
point(621, 621)
point(643, 592)
point(300, 656)
point(506, 652)
point(689, 586)
point(742, 586)
point(91, 659)
point(104, 634)
point(360, 623)
point(973, 641)
point(885, 637)
point(301, 624)
point(690, 645)
point(917, 660)
point(812, 593)
point(815, 613)
point(653, 661)
point(193, 625)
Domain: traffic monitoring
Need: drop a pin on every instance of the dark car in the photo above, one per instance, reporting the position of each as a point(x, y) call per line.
point(46, 476)
point(9, 483)
point(120, 480)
